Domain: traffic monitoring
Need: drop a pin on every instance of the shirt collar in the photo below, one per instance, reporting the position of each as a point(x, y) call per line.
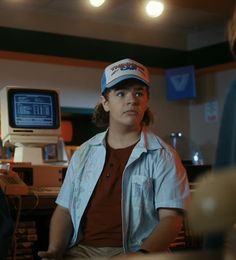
point(148, 140)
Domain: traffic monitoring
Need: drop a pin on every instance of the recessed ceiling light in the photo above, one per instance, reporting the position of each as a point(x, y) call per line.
point(154, 8)
point(96, 3)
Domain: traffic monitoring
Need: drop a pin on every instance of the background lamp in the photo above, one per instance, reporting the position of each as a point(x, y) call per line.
point(96, 3)
point(154, 8)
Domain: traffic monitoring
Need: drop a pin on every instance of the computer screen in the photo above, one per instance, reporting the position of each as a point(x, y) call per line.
point(36, 109)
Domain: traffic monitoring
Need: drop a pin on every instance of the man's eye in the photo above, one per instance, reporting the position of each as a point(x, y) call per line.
point(120, 93)
point(139, 94)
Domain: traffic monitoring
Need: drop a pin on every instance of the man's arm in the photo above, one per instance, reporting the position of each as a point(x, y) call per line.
point(166, 231)
point(61, 229)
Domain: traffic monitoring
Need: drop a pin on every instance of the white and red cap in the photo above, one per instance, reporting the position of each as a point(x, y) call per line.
point(123, 70)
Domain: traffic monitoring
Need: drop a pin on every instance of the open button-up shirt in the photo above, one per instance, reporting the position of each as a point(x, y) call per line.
point(154, 178)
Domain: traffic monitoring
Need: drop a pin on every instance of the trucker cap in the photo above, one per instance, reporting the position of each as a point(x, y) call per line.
point(122, 70)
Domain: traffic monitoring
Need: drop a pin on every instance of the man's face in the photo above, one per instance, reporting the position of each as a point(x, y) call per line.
point(127, 104)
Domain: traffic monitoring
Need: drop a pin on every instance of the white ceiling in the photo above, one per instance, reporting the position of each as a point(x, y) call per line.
point(123, 20)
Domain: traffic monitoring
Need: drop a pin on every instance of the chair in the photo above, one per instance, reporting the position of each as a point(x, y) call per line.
point(213, 208)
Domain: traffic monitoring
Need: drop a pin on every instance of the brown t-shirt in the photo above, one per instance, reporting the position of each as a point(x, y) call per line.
point(101, 224)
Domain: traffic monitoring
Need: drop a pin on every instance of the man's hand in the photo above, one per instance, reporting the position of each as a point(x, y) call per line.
point(50, 254)
point(61, 229)
point(128, 255)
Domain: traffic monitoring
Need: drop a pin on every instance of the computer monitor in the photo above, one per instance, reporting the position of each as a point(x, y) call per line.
point(30, 119)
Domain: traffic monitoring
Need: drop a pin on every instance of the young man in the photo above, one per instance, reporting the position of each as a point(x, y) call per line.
point(125, 189)
point(226, 144)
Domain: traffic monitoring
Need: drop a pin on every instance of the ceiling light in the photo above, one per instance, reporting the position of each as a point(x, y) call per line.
point(154, 8)
point(96, 3)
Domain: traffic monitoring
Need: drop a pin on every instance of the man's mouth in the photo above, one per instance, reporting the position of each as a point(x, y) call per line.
point(131, 112)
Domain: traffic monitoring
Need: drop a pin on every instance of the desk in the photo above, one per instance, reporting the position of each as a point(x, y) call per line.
point(39, 199)
point(35, 209)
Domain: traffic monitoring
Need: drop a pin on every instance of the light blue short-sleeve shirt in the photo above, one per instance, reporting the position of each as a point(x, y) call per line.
point(154, 177)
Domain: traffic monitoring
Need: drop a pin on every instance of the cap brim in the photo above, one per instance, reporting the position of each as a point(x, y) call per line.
point(123, 78)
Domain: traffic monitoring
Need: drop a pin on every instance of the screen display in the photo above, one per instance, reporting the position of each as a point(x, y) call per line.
point(33, 108)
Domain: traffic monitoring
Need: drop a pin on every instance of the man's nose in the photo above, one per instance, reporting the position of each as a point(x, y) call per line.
point(131, 97)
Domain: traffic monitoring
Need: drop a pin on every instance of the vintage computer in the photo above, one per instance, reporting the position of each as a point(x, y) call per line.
point(30, 119)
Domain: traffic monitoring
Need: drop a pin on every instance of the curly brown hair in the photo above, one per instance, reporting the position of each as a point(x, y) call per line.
point(101, 118)
point(232, 32)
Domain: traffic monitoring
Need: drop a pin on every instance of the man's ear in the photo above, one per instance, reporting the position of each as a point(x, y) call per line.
point(104, 103)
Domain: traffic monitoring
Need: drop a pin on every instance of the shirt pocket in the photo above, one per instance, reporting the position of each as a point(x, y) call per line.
point(141, 191)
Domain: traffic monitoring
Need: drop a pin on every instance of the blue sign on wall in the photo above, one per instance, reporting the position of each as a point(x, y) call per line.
point(181, 83)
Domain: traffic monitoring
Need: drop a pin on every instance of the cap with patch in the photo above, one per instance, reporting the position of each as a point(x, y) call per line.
point(122, 70)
